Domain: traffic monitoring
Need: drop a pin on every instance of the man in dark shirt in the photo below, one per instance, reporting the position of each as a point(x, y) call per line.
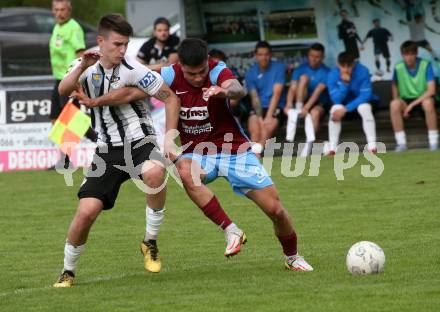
point(348, 34)
point(380, 37)
point(161, 49)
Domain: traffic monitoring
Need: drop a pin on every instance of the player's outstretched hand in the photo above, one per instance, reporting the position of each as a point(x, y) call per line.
point(89, 58)
point(83, 99)
point(214, 91)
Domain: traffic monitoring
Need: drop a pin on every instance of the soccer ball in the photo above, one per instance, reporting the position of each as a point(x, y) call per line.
point(365, 258)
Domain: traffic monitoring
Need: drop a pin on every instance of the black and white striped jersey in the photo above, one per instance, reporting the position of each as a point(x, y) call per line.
point(115, 125)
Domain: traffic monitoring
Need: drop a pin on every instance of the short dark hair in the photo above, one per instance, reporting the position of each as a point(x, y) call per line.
point(193, 52)
point(116, 23)
point(408, 47)
point(162, 20)
point(218, 54)
point(376, 20)
point(345, 58)
point(343, 11)
point(317, 47)
point(263, 44)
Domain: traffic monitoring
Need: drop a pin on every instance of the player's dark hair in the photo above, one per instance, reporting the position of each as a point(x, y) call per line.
point(162, 20)
point(345, 59)
point(317, 47)
point(116, 23)
point(263, 44)
point(343, 11)
point(218, 54)
point(408, 47)
point(376, 20)
point(193, 52)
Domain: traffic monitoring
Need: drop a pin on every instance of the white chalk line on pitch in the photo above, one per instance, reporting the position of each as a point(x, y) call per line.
point(21, 291)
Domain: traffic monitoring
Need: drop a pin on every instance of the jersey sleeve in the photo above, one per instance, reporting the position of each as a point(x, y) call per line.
point(77, 38)
point(73, 65)
point(145, 79)
point(220, 73)
point(168, 74)
point(429, 73)
point(280, 74)
point(250, 80)
point(297, 72)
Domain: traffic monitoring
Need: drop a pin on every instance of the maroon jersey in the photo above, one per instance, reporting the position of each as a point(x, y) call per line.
point(205, 120)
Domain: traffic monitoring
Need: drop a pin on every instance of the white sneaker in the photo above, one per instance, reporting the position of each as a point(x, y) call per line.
point(234, 238)
point(433, 147)
point(400, 148)
point(297, 263)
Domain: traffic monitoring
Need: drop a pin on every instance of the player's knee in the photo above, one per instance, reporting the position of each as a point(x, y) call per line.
point(428, 105)
point(87, 215)
point(154, 176)
point(395, 106)
point(304, 79)
point(276, 211)
point(185, 172)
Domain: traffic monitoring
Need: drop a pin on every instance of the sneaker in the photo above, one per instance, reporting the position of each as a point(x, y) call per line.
point(234, 238)
point(373, 150)
point(400, 148)
point(65, 280)
point(151, 256)
point(433, 147)
point(297, 263)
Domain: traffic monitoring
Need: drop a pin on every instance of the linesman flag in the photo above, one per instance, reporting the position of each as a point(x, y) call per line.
point(69, 128)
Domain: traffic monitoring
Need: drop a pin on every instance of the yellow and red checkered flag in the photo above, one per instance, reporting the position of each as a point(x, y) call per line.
point(69, 128)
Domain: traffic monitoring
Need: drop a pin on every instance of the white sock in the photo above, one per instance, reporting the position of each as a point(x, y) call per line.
point(400, 137)
point(368, 124)
point(334, 130)
point(154, 220)
point(292, 119)
point(231, 227)
point(71, 256)
point(299, 105)
point(433, 137)
point(309, 129)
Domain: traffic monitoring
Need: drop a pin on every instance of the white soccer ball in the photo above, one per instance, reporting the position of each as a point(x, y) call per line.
point(365, 258)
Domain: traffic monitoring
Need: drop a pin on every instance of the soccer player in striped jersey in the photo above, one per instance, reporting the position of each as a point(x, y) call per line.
point(126, 147)
point(216, 146)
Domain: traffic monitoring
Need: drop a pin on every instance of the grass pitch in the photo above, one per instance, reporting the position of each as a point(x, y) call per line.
point(400, 211)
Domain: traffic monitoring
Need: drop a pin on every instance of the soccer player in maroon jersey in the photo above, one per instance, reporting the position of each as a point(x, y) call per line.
point(215, 145)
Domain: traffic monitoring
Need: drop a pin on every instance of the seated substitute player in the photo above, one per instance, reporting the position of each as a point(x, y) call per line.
point(350, 90)
point(215, 146)
point(413, 86)
point(265, 83)
point(161, 49)
point(309, 88)
point(120, 130)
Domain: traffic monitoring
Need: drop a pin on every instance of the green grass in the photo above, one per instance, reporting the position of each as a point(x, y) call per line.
point(397, 211)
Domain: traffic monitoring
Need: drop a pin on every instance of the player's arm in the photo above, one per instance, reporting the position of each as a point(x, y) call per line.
point(394, 90)
point(291, 93)
point(256, 104)
point(429, 93)
point(276, 95)
point(113, 98)
point(70, 81)
point(313, 99)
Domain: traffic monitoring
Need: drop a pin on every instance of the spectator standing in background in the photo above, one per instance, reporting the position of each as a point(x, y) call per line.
point(348, 34)
point(66, 44)
point(161, 49)
point(380, 37)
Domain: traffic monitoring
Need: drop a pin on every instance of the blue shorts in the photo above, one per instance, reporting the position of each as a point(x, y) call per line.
point(243, 171)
